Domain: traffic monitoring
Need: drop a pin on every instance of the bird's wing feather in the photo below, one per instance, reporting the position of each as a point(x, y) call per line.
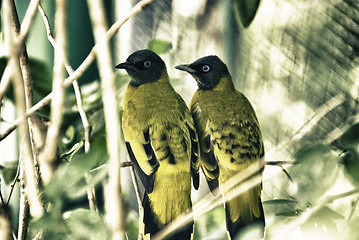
point(144, 160)
point(208, 160)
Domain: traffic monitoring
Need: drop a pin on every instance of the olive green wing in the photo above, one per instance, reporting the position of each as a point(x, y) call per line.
point(208, 159)
point(195, 162)
point(143, 158)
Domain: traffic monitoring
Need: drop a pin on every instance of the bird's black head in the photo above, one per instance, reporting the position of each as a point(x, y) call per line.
point(207, 71)
point(143, 66)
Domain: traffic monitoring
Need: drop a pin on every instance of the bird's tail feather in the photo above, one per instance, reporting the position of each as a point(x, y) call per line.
point(151, 226)
point(245, 211)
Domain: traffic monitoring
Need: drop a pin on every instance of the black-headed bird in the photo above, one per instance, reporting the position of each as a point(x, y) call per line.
point(229, 137)
point(162, 143)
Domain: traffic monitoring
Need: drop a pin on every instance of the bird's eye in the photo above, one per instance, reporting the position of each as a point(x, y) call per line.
point(147, 64)
point(206, 68)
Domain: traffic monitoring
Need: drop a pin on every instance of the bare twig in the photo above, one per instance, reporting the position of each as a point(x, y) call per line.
point(1, 198)
point(48, 154)
point(91, 193)
point(12, 186)
point(113, 198)
point(75, 84)
point(32, 188)
point(26, 23)
point(138, 196)
point(24, 212)
point(80, 70)
point(137, 191)
point(279, 163)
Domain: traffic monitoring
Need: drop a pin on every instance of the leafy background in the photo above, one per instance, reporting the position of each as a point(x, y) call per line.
point(297, 62)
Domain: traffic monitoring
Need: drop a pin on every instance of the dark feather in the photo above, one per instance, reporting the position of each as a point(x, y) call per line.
point(147, 181)
point(194, 159)
point(212, 183)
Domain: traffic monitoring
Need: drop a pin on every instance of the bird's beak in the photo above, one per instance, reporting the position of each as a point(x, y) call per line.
point(127, 66)
point(186, 68)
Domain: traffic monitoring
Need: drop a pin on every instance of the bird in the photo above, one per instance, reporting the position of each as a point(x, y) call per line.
point(162, 144)
point(230, 140)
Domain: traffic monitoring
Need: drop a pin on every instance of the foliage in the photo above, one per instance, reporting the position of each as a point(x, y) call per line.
point(245, 11)
point(41, 77)
point(159, 46)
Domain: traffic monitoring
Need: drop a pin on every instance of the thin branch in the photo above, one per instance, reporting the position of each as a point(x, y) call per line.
point(279, 163)
point(16, 76)
point(24, 213)
point(138, 196)
point(26, 23)
point(137, 191)
point(91, 194)
point(114, 206)
point(12, 186)
point(75, 84)
point(1, 198)
point(48, 155)
point(80, 70)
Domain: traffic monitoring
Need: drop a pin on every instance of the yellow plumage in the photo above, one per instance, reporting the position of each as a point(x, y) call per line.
point(230, 139)
point(162, 143)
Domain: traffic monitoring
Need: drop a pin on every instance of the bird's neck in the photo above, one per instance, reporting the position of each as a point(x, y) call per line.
point(225, 83)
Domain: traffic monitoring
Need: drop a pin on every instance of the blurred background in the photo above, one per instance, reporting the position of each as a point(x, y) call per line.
point(297, 62)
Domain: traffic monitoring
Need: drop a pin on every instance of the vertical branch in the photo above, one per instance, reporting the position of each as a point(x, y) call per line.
point(11, 29)
point(75, 84)
point(138, 196)
point(114, 212)
point(48, 155)
point(23, 207)
point(91, 193)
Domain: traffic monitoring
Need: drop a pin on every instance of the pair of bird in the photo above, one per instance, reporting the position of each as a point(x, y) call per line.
point(168, 143)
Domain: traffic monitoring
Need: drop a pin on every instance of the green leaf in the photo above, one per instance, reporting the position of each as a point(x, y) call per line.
point(86, 224)
point(292, 213)
point(245, 11)
point(8, 172)
point(41, 78)
point(159, 46)
point(315, 171)
point(350, 160)
point(322, 224)
point(311, 153)
point(351, 137)
point(280, 201)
